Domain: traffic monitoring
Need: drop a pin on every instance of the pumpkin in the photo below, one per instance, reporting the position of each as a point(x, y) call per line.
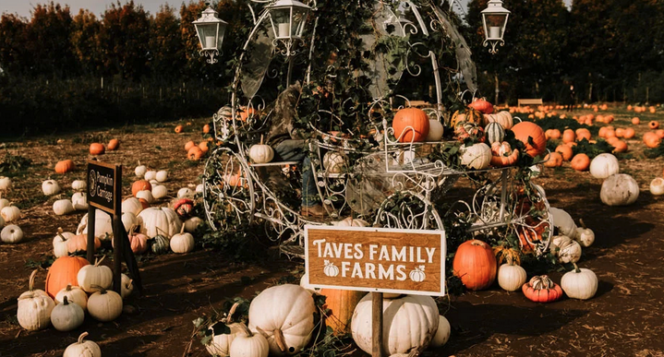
point(563, 222)
point(651, 139)
point(34, 307)
point(247, 113)
point(475, 264)
point(261, 154)
point(67, 316)
point(341, 304)
point(60, 243)
point(50, 187)
point(195, 153)
point(74, 294)
point(579, 283)
point(159, 244)
point(162, 176)
point(476, 156)
point(11, 234)
point(334, 162)
point(93, 278)
point(82, 348)
point(192, 224)
point(63, 272)
point(285, 313)
point(565, 151)
point(178, 129)
point(126, 286)
point(554, 159)
point(542, 289)
point(97, 149)
point(62, 207)
point(145, 195)
point(132, 205)
point(527, 133)
point(10, 213)
point(62, 167)
point(5, 183)
point(442, 333)
point(159, 192)
point(636, 121)
point(567, 250)
point(609, 134)
point(620, 132)
point(350, 222)
point(603, 166)
point(105, 305)
point(569, 136)
point(580, 162)
point(619, 190)
point(468, 116)
point(503, 118)
point(79, 243)
point(409, 322)
point(103, 225)
point(140, 170)
point(555, 134)
point(657, 186)
point(511, 276)
point(653, 125)
point(248, 344)
point(140, 185)
point(619, 146)
point(584, 235)
point(435, 131)
point(304, 282)
point(583, 133)
point(190, 144)
point(204, 147)
point(182, 242)
point(138, 242)
point(79, 201)
point(482, 106)
point(660, 133)
point(114, 144)
point(159, 220)
point(206, 128)
point(149, 176)
point(494, 133)
point(185, 192)
point(465, 130)
point(220, 344)
point(410, 125)
point(503, 155)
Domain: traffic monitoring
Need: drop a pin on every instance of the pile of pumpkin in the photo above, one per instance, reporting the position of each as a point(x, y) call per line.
point(281, 322)
point(196, 152)
point(642, 109)
point(11, 233)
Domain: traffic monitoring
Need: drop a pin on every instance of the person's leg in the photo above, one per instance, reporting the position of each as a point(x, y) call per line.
point(309, 190)
point(290, 150)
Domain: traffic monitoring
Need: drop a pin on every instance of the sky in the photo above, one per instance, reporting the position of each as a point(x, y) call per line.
point(23, 7)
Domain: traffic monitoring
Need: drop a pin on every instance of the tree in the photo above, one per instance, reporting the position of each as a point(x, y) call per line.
point(47, 42)
point(84, 40)
point(167, 58)
point(12, 40)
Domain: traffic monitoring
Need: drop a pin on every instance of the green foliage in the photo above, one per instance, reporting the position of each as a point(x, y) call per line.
point(654, 152)
point(590, 149)
point(13, 163)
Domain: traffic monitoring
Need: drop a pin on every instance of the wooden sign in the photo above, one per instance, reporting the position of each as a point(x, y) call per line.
point(376, 259)
point(103, 186)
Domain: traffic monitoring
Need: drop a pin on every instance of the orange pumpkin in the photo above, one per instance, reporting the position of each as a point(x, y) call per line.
point(62, 167)
point(475, 264)
point(583, 133)
point(660, 133)
point(572, 144)
point(653, 125)
point(195, 153)
point(542, 289)
point(580, 162)
point(482, 106)
point(247, 113)
point(206, 128)
point(203, 146)
point(569, 136)
point(609, 133)
point(554, 159)
point(636, 121)
point(502, 154)
point(63, 272)
point(189, 145)
point(629, 133)
point(555, 134)
point(469, 116)
point(565, 151)
point(140, 185)
point(528, 132)
point(97, 149)
point(178, 129)
point(411, 124)
point(651, 139)
point(144, 203)
point(619, 146)
point(341, 304)
point(114, 144)
point(620, 133)
point(602, 131)
point(79, 243)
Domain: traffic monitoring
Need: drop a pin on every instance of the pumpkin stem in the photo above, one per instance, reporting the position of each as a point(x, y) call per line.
point(246, 329)
point(231, 312)
point(261, 139)
point(576, 268)
point(64, 301)
point(279, 338)
point(68, 288)
point(583, 224)
point(60, 231)
point(182, 229)
point(509, 259)
point(31, 282)
point(82, 336)
point(101, 288)
point(97, 262)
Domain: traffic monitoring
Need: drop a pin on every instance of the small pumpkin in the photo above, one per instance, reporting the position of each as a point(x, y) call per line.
point(5, 183)
point(651, 139)
point(11, 234)
point(74, 294)
point(435, 131)
point(126, 286)
point(442, 333)
point(105, 305)
point(145, 195)
point(569, 136)
point(249, 344)
point(159, 244)
point(161, 176)
point(636, 121)
point(132, 205)
point(542, 289)
point(178, 129)
point(182, 242)
point(50, 187)
point(10, 213)
point(190, 144)
point(604, 165)
point(82, 348)
point(580, 162)
point(583, 133)
point(584, 235)
point(554, 159)
point(653, 125)
point(657, 186)
point(63, 272)
point(555, 134)
point(565, 151)
point(114, 144)
point(150, 175)
point(502, 154)
point(79, 243)
point(62, 167)
point(410, 125)
point(97, 149)
point(62, 207)
point(140, 171)
point(619, 190)
point(60, 243)
point(93, 278)
point(67, 316)
point(185, 192)
point(192, 224)
point(579, 283)
point(204, 147)
point(140, 185)
point(79, 185)
point(477, 156)
point(567, 250)
point(195, 153)
point(206, 129)
point(34, 307)
point(475, 264)
point(494, 133)
point(183, 207)
point(511, 276)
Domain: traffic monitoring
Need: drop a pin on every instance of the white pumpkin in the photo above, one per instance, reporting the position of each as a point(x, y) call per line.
point(334, 162)
point(409, 322)
point(151, 175)
point(11, 234)
point(129, 220)
point(191, 224)
point(477, 156)
point(567, 250)
point(249, 344)
point(619, 190)
point(304, 282)
point(4, 203)
point(584, 235)
point(657, 186)
point(579, 283)
point(62, 207)
point(105, 305)
point(2, 221)
point(220, 344)
point(200, 188)
point(182, 242)
point(154, 182)
point(161, 176)
point(79, 201)
point(79, 185)
point(60, 243)
point(74, 294)
point(286, 314)
point(564, 222)
point(159, 220)
point(103, 225)
point(185, 192)
point(494, 133)
point(50, 187)
point(261, 154)
point(159, 191)
point(92, 278)
point(34, 307)
point(10, 214)
point(132, 205)
point(5, 183)
point(146, 195)
point(435, 131)
point(126, 285)
point(511, 276)
point(350, 222)
point(82, 348)
point(140, 171)
point(503, 118)
point(67, 316)
point(604, 165)
point(442, 334)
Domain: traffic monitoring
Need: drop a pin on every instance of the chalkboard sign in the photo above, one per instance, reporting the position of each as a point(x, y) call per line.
point(102, 187)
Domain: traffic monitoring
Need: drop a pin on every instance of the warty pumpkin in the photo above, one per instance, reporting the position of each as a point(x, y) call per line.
point(542, 289)
point(34, 307)
point(82, 348)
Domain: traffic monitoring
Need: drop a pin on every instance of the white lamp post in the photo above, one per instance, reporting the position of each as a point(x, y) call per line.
point(288, 18)
point(210, 30)
point(494, 18)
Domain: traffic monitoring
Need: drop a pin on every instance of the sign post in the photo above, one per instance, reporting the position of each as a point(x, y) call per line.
point(104, 192)
point(376, 260)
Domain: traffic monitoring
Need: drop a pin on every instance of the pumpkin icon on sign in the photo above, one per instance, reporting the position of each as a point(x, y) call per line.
point(330, 269)
point(417, 275)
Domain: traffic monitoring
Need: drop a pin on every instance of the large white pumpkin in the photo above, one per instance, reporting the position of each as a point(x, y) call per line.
point(409, 322)
point(435, 131)
point(579, 283)
point(132, 205)
point(286, 310)
point(34, 307)
point(103, 225)
point(105, 305)
point(477, 156)
point(564, 222)
point(619, 190)
point(604, 165)
point(159, 220)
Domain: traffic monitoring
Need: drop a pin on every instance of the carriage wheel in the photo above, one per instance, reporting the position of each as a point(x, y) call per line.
point(228, 192)
point(408, 210)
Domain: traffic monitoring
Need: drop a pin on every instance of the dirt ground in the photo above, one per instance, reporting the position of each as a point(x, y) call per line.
point(624, 319)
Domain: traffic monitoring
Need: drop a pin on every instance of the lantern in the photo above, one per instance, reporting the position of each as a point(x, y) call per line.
point(494, 18)
point(288, 18)
point(210, 30)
